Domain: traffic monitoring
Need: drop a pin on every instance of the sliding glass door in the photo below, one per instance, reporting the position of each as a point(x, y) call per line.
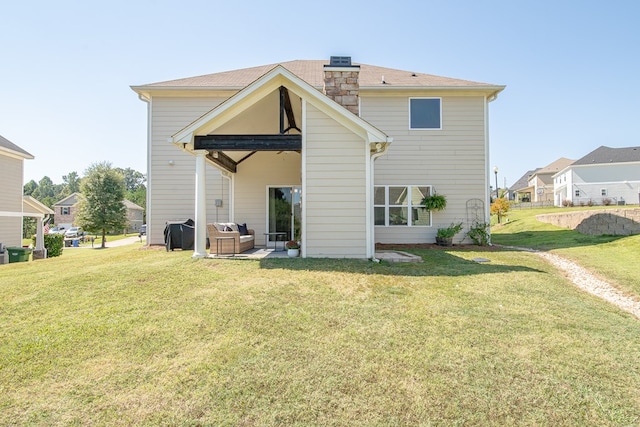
point(285, 211)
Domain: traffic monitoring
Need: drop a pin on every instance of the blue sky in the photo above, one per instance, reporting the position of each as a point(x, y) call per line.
point(571, 67)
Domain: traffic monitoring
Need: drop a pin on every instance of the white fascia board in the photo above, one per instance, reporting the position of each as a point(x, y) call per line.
point(15, 154)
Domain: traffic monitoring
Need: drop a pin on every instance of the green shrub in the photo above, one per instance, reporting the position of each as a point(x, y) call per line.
point(54, 243)
point(479, 233)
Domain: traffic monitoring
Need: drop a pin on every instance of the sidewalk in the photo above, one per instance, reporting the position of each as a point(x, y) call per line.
point(112, 244)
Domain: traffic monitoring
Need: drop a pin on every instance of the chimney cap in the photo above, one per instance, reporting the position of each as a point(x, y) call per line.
point(340, 61)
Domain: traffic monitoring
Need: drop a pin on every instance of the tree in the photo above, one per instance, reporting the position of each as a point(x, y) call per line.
point(135, 189)
point(500, 207)
point(101, 206)
point(71, 183)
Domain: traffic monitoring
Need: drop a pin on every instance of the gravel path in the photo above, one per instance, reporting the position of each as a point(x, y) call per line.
point(586, 281)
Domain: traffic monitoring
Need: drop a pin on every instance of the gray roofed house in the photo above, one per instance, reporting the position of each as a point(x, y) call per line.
point(604, 154)
point(604, 176)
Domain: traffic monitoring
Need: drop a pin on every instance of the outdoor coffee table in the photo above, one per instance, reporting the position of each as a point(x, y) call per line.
point(275, 242)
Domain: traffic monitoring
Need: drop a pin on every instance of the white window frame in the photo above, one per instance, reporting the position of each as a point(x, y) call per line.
point(410, 207)
point(425, 97)
point(576, 193)
point(604, 192)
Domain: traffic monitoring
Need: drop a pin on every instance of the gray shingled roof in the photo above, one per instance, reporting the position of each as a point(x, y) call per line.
point(523, 182)
point(312, 71)
point(604, 154)
point(10, 146)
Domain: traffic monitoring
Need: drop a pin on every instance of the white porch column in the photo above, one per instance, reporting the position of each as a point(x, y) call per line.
point(200, 244)
point(39, 234)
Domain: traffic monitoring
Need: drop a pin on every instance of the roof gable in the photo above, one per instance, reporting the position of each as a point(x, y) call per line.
point(554, 167)
point(70, 200)
point(272, 80)
point(605, 155)
point(132, 206)
point(33, 205)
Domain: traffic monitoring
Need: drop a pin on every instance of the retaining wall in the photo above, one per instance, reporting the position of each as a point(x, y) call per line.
point(619, 222)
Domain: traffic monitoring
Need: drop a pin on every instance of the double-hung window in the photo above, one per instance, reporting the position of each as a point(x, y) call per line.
point(425, 113)
point(399, 205)
point(64, 210)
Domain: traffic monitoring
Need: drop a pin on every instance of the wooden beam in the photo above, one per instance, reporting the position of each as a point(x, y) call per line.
point(285, 107)
point(248, 142)
point(222, 160)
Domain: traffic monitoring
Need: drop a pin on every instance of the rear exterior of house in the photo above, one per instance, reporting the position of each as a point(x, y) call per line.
point(367, 154)
point(12, 166)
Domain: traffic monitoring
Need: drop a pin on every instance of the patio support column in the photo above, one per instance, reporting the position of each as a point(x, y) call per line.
point(200, 244)
point(39, 234)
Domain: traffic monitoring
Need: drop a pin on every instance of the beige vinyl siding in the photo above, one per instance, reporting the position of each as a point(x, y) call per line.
point(335, 189)
point(11, 200)
point(452, 159)
point(255, 175)
point(172, 187)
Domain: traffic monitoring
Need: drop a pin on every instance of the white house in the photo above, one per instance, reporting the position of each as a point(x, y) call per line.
point(604, 176)
point(335, 154)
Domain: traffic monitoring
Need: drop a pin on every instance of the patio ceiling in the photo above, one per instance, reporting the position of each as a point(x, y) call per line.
point(229, 150)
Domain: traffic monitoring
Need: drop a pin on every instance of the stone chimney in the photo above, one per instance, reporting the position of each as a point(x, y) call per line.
point(341, 82)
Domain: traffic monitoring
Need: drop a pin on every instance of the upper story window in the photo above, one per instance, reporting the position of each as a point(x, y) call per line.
point(425, 113)
point(64, 210)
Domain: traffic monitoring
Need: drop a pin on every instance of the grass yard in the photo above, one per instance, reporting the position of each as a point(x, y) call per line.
point(125, 336)
point(614, 258)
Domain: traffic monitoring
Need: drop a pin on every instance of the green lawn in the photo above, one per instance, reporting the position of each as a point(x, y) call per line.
point(614, 258)
point(127, 336)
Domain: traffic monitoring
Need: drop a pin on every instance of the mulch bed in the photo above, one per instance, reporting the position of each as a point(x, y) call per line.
point(433, 246)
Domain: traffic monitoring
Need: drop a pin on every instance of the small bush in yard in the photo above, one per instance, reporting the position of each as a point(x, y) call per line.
point(567, 203)
point(479, 233)
point(54, 243)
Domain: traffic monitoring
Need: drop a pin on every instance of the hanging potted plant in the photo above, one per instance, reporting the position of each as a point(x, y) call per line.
point(293, 248)
point(434, 202)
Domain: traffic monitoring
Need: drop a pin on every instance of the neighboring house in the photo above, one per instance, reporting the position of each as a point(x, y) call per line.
point(13, 205)
point(135, 216)
point(66, 211)
point(334, 154)
point(520, 191)
point(539, 186)
point(604, 176)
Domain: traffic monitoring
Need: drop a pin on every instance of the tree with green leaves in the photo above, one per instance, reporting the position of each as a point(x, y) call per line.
point(101, 206)
point(71, 183)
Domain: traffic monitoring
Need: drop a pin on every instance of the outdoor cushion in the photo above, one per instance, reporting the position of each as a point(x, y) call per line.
point(242, 228)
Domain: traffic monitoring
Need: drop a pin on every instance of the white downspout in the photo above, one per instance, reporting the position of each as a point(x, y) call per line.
point(371, 244)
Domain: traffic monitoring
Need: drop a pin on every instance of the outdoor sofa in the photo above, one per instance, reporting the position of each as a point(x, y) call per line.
point(220, 234)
